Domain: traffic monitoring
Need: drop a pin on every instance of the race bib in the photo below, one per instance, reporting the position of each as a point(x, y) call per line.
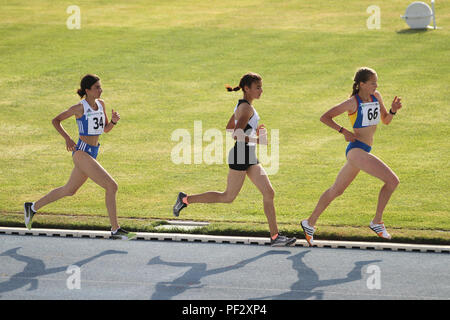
point(96, 122)
point(370, 113)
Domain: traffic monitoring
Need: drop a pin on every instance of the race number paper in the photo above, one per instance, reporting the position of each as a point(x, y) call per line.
point(370, 113)
point(95, 123)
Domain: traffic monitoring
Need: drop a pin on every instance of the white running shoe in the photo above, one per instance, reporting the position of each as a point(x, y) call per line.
point(380, 230)
point(121, 234)
point(309, 232)
point(28, 214)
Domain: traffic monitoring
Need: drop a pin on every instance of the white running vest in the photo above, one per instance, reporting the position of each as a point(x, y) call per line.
point(252, 124)
point(92, 123)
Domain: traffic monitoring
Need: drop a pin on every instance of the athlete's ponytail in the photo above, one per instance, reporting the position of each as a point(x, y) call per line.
point(246, 80)
point(230, 88)
point(355, 88)
point(362, 75)
point(86, 83)
point(81, 92)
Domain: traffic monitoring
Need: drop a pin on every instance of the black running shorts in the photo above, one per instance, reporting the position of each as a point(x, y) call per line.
point(242, 156)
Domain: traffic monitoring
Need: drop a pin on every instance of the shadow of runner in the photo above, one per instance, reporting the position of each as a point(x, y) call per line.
point(192, 278)
point(308, 280)
point(36, 267)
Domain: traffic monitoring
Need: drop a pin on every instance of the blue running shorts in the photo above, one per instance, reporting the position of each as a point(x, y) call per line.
point(358, 144)
point(90, 150)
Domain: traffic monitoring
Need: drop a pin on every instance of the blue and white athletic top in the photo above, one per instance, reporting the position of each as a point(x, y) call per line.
point(92, 123)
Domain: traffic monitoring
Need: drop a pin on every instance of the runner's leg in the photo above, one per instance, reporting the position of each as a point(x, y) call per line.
point(235, 180)
point(76, 180)
point(91, 168)
point(377, 168)
point(346, 175)
point(258, 176)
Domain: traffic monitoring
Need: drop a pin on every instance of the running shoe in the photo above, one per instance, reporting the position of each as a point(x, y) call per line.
point(28, 214)
point(309, 232)
point(179, 204)
point(380, 230)
point(122, 234)
point(282, 241)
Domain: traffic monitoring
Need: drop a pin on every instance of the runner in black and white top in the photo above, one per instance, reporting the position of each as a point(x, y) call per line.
point(242, 159)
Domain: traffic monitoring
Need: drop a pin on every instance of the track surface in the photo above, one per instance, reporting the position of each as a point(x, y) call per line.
point(33, 267)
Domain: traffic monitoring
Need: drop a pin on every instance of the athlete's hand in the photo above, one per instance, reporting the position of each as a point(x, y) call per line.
point(115, 116)
point(261, 132)
point(349, 136)
point(261, 126)
point(396, 104)
point(70, 144)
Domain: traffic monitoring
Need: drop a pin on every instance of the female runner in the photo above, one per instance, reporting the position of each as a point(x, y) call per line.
point(90, 114)
point(242, 160)
point(365, 108)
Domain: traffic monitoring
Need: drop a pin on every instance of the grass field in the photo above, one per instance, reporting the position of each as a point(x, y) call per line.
point(164, 64)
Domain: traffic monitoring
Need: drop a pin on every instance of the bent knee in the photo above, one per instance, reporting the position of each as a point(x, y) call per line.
point(228, 197)
point(112, 186)
point(68, 192)
point(269, 194)
point(397, 181)
point(336, 191)
point(393, 182)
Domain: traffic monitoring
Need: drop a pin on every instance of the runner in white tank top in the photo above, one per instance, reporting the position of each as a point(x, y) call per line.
point(244, 125)
point(92, 122)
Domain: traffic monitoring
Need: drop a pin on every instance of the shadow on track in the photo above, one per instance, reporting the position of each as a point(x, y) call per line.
point(308, 280)
point(304, 288)
point(192, 278)
point(35, 268)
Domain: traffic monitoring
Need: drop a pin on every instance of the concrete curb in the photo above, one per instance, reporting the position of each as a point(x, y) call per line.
point(388, 246)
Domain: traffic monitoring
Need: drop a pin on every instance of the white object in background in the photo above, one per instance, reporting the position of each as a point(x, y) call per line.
point(434, 14)
point(418, 15)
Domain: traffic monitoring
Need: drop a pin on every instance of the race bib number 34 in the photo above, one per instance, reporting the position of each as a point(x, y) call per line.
point(95, 123)
point(370, 113)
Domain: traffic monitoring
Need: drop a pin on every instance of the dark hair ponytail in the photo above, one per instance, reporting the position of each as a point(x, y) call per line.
point(362, 75)
point(355, 88)
point(81, 92)
point(246, 80)
point(86, 83)
point(230, 88)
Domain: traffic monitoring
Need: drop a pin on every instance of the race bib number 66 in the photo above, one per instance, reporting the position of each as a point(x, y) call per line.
point(370, 113)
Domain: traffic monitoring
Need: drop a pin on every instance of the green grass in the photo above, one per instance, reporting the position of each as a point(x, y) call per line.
point(163, 66)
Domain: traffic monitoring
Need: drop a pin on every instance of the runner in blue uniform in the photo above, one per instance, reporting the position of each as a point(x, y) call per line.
point(365, 109)
point(92, 121)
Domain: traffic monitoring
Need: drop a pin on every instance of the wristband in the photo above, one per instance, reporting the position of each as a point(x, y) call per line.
point(340, 130)
point(114, 123)
point(393, 113)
